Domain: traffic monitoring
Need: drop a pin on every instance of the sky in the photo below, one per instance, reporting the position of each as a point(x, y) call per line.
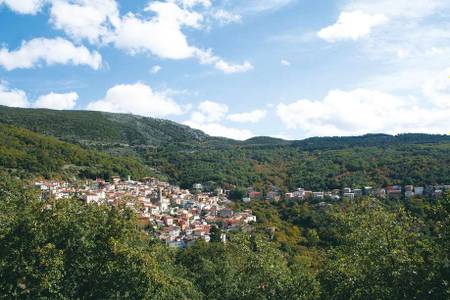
point(284, 68)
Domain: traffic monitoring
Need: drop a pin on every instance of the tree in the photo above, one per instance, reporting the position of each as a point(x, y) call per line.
point(382, 254)
point(67, 250)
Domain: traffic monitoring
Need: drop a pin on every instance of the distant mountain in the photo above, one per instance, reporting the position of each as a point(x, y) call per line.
point(187, 156)
point(100, 127)
point(92, 127)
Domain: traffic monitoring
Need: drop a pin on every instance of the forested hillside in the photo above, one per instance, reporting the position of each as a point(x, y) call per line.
point(290, 167)
point(65, 249)
point(100, 128)
point(187, 156)
point(28, 154)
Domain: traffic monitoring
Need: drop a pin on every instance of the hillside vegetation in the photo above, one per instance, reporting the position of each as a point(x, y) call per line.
point(362, 250)
point(26, 153)
point(188, 156)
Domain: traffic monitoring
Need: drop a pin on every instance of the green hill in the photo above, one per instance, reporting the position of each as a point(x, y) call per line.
point(100, 128)
point(26, 153)
point(188, 156)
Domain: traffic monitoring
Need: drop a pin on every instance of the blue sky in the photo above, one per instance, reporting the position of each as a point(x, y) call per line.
point(284, 68)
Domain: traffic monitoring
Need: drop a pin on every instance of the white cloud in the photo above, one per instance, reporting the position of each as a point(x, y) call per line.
point(248, 117)
point(49, 51)
point(207, 118)
point(216, 129)
point(437, 89)
point(24, 6)
point(192, 3)
point(137, 99)
point(12, 97)
point(57, 101)
point(18, 98)
point(285, 62)
point(226, 17)
point(155, 69)
point(160, 35)
point(352, 25)
point(362, 111)
point(209, 111)
point(85, 19)
point(206, 57)
point(399, 8)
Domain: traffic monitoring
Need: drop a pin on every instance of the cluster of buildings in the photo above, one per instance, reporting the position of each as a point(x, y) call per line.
point(175, 216)
point(390, 192)
point(180, 217)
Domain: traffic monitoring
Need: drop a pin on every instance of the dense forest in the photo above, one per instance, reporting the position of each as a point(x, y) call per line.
point(186, 156)
point(362, 250)
point(368, 249)
point(25, 153)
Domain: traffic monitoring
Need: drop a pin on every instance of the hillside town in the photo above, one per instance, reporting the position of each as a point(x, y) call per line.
point(179, 217)
point(174, 215)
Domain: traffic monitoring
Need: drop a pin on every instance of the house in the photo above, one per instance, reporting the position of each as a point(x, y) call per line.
point(394, 191)
point(418, 190)
point(318, 195)
point(349, 196)
point(254, 195)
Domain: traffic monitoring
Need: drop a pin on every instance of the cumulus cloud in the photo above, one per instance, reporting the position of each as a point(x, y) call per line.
point(216, 129)
point(209, 111)
point(85, 19)
point(164, 36)
point(362, 111)
point(158, 30)
point(160, 35)
point(40, 51)
point(137, 99)
point(437, 89)
point(18, 98)
point(24, 6)
point(248, 117)
point(352, 25)
point(57, 101)
point(12, 97)
point(208, 117)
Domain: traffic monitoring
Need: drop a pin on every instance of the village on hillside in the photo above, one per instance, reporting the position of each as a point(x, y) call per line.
point(174, 215)
point(180, 217)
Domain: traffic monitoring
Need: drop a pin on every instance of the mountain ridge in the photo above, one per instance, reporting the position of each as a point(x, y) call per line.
point(186, 156)
point(129, 129)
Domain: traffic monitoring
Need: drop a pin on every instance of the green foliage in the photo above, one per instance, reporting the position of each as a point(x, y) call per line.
point(289, 167)
point(65, 250)
point(29, 153)
point(187, 156)
point(98, 128)
point(383, 254)
point(68, 250)
point(248, 267)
